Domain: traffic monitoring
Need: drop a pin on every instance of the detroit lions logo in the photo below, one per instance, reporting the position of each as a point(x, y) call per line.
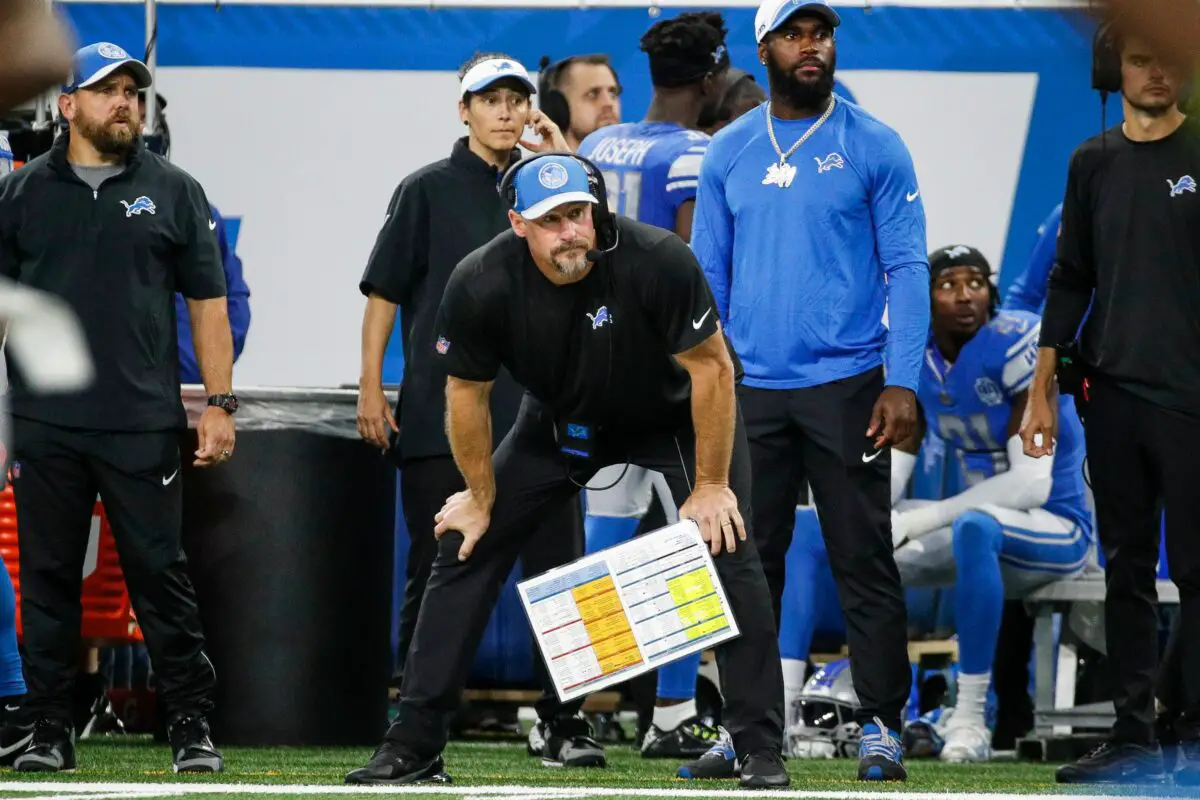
point(600, 317)
point(143, 203)
point(1185, 184)
point(830, 161)
point(957, 251)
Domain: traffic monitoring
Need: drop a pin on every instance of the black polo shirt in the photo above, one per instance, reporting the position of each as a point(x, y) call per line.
point(436, 216)
point(598, 351)
point(117, 255)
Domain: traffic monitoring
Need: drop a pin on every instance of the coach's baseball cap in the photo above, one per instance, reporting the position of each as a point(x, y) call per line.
point(549, 182)
point(773, 13)
point(485, 73)
point(97, 61)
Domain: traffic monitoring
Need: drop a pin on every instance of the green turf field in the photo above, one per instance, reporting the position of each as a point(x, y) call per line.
point(481, 770)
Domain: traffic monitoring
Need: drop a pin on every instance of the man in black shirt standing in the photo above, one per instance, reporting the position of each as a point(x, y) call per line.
point(438, 215)
point(1130, 246)
point(609, 325)
point(114, 230)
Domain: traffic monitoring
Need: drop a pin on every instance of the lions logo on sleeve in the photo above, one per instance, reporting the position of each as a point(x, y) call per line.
point(650, 168)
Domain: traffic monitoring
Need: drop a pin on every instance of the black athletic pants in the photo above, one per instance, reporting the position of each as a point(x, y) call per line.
point(424, 486)
point(818, 435)
point(57, 475)
point(531, 482)
point(1141, 457)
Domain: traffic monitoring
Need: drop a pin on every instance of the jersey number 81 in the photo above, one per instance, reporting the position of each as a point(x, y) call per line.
point(624, 191)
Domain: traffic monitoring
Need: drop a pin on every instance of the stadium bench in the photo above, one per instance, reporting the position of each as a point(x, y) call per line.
point(1054, 709)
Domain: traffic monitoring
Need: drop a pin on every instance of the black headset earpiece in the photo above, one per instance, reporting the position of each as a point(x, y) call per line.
point(551, 101)
point(1106, 62)
point(607, 235)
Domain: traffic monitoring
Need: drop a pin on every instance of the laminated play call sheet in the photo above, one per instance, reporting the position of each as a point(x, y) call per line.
point(628, 609)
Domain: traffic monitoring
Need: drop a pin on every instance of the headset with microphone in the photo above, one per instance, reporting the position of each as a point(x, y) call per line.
point(607, 234)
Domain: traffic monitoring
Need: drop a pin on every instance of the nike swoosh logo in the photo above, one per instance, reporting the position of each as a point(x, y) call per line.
point(167, 481)
point(867, 459)
point(913, 196)
point(697, 323)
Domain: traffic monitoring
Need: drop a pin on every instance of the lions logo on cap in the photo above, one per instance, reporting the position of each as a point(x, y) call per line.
point(112, 51)
point(552, 176)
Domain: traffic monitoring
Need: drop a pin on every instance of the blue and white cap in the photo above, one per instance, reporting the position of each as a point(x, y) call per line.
point(773, 13)
point(485, 73)
point(6, 155)
point(97, 61)
point(549, 182)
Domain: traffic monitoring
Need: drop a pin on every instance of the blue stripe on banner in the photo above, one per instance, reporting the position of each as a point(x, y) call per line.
point(408, 38)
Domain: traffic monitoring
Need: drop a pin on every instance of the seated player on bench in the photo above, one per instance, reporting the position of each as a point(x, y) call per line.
point(1022, 522)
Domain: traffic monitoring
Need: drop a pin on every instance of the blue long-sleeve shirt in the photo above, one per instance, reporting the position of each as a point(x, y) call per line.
point(1027, 292)
point(801, 273)
point(237, 298)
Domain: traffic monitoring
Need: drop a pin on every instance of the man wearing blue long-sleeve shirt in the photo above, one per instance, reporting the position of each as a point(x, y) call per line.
point(808, 221)
point(238, 301)
point(1027, 292)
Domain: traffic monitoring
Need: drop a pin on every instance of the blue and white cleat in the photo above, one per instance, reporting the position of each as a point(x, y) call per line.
point(880, 754)
point(719, 763)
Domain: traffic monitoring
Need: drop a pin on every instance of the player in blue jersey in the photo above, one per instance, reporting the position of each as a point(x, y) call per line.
point(1022, 522)
point(1028, 290)
point(650, 171)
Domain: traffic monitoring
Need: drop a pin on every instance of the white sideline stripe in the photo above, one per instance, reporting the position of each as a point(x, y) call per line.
point(104, 791)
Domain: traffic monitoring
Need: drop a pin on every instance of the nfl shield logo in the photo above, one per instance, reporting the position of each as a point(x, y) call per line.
point(442, 345)
point(16, 470)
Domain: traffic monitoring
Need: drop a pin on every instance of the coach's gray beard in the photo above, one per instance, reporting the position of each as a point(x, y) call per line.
point(571, 266)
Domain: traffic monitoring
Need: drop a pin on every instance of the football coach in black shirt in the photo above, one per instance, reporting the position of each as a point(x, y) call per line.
point(436, 216)
point(1130, 247)
point(609, 324)
point(114, 230)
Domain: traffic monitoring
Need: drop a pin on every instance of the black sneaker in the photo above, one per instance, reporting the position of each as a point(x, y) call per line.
point(764, 771)
point(569, 743)
point(691, 739)
point(719, 763)
point(191, 748)
point(16, 733)
point(1116, 763)
point(392, 764)
point(52, 748)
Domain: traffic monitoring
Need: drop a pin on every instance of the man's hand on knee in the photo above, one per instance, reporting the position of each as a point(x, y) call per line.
point(463, 513)
point(713, 508)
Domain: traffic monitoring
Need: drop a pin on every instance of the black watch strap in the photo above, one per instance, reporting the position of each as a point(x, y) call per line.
point(227, 402)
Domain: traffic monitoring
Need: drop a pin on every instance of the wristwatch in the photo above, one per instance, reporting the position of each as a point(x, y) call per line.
point(227, 402)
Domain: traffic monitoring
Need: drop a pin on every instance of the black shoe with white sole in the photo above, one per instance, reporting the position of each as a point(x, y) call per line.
point(51, 749)
point(569, 743)
point(191, 748)
point(392, 764)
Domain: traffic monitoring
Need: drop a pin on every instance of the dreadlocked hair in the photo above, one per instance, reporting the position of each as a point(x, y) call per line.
point(685, 48)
